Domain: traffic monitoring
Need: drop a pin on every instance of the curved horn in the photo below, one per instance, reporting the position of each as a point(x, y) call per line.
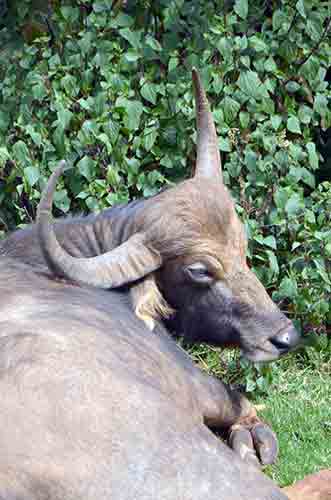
point(208, 162)
point(126, 263)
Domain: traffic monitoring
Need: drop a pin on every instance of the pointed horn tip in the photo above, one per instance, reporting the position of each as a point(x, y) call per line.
point(196, 80)
point(59, 170)
point(199, 91)
point(45, 204)
point(195, 72)
point(62, 166)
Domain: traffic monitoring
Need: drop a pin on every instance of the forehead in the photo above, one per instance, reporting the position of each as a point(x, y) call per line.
point(207, 222)
point(208, 207)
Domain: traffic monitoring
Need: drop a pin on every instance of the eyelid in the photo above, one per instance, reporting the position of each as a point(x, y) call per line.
point(199, 273)
point(212, 264)
point(197, 266)
point(215, 267)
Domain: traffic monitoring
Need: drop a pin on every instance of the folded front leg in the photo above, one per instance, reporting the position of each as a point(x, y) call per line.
point(225, 408)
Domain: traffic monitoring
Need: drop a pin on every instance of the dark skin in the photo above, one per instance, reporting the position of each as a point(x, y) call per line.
point(188, 288)
point(208, 309)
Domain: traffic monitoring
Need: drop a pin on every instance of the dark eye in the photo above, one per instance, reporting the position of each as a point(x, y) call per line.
point(199, 273)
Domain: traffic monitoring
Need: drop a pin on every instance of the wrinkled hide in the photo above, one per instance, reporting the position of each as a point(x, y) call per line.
point(98, 402)
point(187, 242)
point(87, 412)
point(233, 309)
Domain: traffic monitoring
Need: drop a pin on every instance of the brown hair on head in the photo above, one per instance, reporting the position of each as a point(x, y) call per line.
point(194, 218)
point(148, 302)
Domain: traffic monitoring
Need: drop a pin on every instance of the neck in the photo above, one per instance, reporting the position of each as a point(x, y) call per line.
point(82, 236)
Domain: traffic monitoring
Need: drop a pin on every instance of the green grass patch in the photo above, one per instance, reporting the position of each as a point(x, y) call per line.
point(296, 394)
point(299, 411)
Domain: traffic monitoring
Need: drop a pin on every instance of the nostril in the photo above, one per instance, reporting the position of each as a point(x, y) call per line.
point(286, 340)
point(281, 343)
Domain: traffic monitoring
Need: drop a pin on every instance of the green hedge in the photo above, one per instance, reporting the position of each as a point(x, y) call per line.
point(107, 86)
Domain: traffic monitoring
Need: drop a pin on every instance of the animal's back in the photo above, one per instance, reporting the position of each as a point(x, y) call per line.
point(94, 405)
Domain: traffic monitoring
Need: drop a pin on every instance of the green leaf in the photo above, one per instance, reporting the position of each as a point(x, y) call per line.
point(301, 8)
point(273, 262)
point(39, 91)
point(322, 271)
point(276, 121)
point(241, 8)
point(173, 63)
point(132, 56)
point(230, 109)
point(312, 155)
point(251, 85)
point(153, 44)
point(35, 136)
point(294, 204)
point(258, 44)
point(86, 166)
point(308, 178)
point(279, 18)
point(133, 37)
point(292, 87)
point(70, 85)
point(64, 117)
point(217, 83)
point(293, 125)
point(21, 152)
point(86, 43)
point(92, 204)
point(224, 144)
point(100, 104)
point(121, 19)
point(88, 132)
point(61, 200)
point(244, 119)
point(134, 111)
point(150, 135)
point(218, 116)
point(32, 175)
point(105, 140)
point(270, 241)
point(149, 92)
point(70, 14)
point(59, 141)
point(305, 114)
point(112, 129)
point(321, 104)
point(251, 160)
point(270, 65)
point(4, 155)
point(4, 121)
point(314, 27)
point(288, 288)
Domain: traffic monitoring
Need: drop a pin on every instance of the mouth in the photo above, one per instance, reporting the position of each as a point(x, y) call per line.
point(286, 340)
point(261, 355)
point(267, 352)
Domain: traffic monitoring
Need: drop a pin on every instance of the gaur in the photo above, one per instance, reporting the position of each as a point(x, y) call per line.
point(120, 410)
point(184, 252)
point(96, 406)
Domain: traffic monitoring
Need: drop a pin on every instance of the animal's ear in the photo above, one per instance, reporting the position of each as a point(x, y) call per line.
point(128, 262)
point(148, 303)
point(208, 162)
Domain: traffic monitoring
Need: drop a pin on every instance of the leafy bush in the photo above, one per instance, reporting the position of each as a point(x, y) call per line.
point(107, 85)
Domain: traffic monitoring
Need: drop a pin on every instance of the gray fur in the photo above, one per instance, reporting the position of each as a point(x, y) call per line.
point(95, 406)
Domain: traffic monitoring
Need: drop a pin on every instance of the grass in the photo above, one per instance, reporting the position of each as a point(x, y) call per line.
point(298, 408)
point(296, 395)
